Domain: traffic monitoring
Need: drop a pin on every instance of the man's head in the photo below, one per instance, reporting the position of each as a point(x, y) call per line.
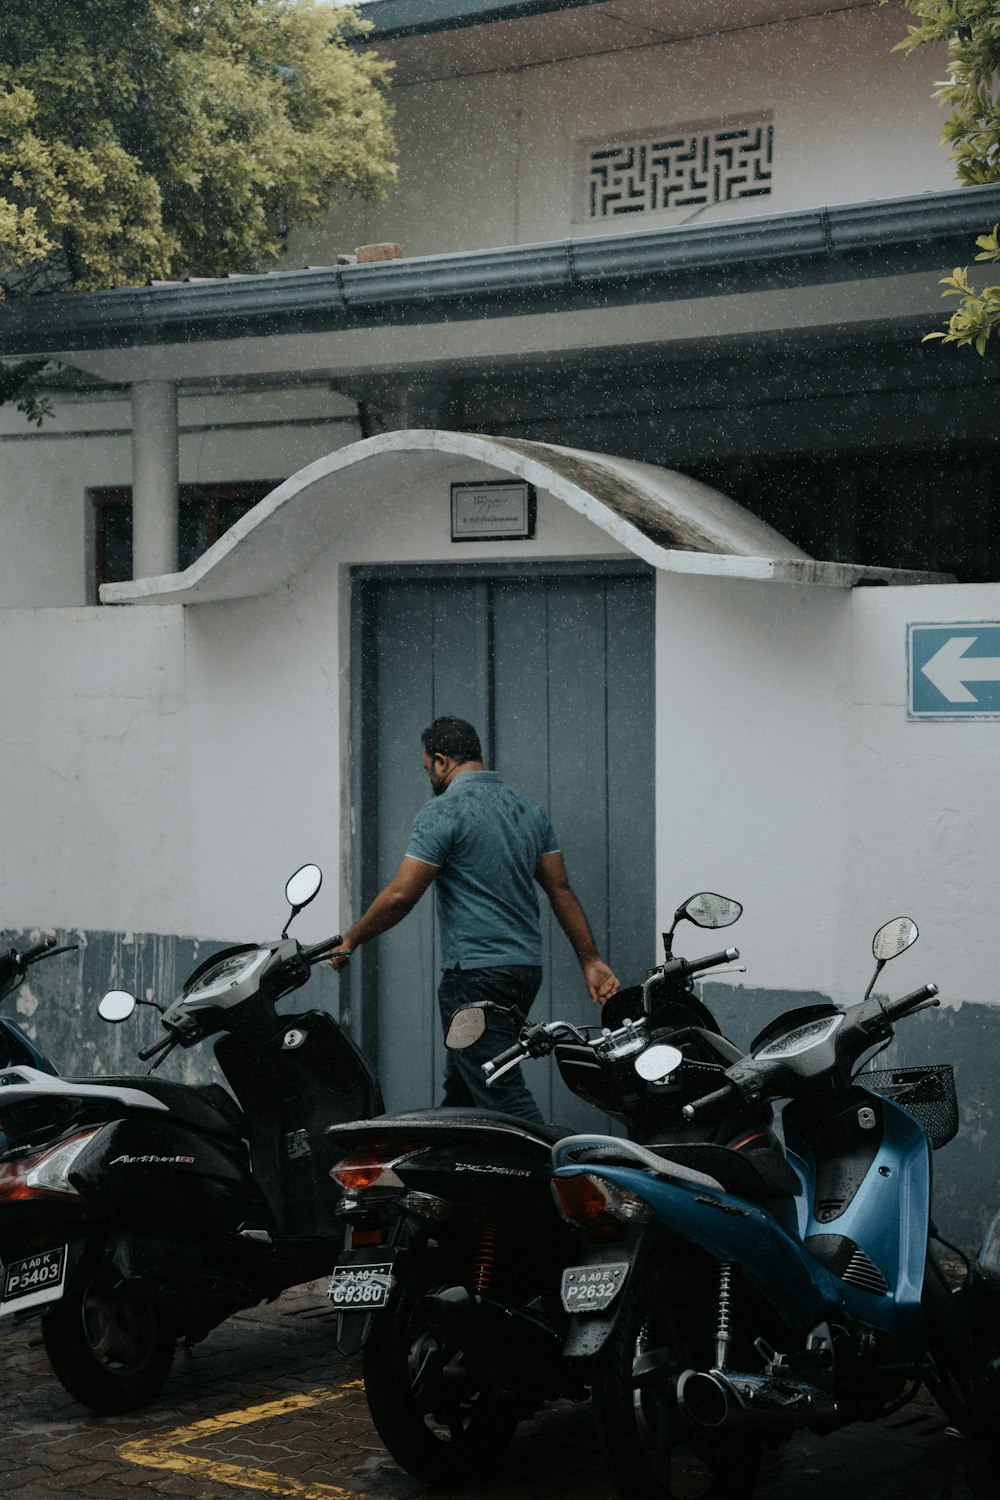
point(449, 744)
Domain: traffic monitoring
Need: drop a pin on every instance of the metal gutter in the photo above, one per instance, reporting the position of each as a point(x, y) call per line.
point(392, 19)
point(846, 242)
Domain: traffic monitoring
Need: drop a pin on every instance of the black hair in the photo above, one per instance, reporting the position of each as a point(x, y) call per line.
point(452, 737)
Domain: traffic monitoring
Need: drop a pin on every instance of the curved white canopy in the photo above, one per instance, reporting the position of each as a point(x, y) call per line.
point(667, 519)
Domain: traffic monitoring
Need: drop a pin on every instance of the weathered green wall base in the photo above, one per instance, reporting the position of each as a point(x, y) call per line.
point(56, 1005)
point(967, 1171)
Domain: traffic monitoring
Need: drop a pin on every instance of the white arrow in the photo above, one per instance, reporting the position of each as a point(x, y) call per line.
point(950, 669)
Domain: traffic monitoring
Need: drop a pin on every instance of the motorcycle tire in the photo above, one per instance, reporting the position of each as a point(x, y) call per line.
point(653, 1450)
point(430, 1409)
point(108, 1345)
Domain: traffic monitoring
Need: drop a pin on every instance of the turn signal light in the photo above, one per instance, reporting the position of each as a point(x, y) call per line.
point(45, 1172)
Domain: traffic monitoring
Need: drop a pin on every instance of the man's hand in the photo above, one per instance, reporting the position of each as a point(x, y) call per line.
point(600, 980)
point(341, 958)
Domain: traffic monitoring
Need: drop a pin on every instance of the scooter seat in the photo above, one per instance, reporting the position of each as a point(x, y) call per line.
point(759, 1175)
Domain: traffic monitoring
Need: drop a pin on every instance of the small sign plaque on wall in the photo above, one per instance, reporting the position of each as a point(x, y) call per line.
point(494, 512)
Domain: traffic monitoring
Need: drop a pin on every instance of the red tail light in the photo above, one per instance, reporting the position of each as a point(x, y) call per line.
point(591, 1201)
point(356, 1174)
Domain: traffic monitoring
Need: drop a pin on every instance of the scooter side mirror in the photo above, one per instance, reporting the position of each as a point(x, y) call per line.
point(706, 909)
point(894, 938)
point(116, 1005)
point(467, 1026)
point(300, 889)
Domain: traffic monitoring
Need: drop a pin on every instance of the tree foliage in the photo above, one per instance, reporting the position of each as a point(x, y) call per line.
point(971, 31)
point(146, 139)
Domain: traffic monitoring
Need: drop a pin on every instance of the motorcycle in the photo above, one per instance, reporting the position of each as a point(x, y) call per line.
point(135, 1210)
point(15, 1046)
point(449, 1282)
point(718, 1316)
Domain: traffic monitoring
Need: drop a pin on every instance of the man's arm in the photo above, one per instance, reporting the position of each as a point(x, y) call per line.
point(391, 905)
point(554, 881)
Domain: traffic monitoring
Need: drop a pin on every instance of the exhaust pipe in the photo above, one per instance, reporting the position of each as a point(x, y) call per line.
point(714, 1398)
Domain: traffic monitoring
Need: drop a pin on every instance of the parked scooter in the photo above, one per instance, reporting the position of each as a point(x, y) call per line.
point(15, 1046)
point(717, 1315)
point(136, 1210)
point(451, 1277)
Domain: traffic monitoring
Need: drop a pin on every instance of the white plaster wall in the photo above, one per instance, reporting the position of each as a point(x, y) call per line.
point(751, 701)
point(924, 801)
point(491, 159)
point(45, 524)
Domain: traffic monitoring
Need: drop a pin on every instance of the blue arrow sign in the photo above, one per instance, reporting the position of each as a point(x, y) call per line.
point(953, 671)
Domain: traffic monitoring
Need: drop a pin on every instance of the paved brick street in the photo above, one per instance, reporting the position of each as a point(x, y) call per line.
point(264, 1408)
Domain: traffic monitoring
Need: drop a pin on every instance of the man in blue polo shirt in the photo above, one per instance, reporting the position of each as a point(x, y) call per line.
point(486, 846)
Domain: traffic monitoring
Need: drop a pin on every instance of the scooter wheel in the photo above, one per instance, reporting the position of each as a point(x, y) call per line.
point(429, 1403)
point(653, 1450)
point(108, 1345)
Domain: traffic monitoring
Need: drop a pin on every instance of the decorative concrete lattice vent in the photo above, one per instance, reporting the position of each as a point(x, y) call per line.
point(686, 166)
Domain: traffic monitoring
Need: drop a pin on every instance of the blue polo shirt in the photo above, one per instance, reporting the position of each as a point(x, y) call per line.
point(485, 840)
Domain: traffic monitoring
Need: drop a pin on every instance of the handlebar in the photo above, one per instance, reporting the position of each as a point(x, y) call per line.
point(503, 1060)
point(926, 995)
point(708, 1102)
point(322, 950)
point(711, 961)
point(161, 1046)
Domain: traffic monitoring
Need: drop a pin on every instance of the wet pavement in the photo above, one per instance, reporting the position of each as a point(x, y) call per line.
point(265, 1407)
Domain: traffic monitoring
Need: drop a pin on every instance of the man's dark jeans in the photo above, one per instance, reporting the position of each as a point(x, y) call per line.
point(464, 1084)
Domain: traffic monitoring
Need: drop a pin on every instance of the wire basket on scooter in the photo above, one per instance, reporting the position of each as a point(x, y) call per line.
point(928, 1093)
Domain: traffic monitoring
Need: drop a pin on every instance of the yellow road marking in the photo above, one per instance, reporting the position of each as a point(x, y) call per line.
point(162, 1450)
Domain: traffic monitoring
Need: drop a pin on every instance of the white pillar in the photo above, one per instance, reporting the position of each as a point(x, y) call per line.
point(154, 478)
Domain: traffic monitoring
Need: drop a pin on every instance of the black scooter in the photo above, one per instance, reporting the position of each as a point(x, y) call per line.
point(451, 1281)
point(136, 1210)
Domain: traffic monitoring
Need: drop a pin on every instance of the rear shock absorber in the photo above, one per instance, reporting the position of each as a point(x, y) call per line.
point(724, 1327)
point(486, 1255)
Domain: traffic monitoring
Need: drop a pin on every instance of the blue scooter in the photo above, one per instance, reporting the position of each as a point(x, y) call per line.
point(717, 1313)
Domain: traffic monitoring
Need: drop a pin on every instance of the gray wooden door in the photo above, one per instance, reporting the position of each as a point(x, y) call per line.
point(556, 673)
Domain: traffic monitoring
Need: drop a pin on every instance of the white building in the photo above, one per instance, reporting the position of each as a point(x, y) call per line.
point(700, 704)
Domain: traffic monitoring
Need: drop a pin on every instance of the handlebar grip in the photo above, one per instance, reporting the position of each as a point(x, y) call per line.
point(30, 954)
point(708, 1102)
point(320, 950)
point(712, 960)
point(509, 1055)
point(161, 1046)
point(895, 1009)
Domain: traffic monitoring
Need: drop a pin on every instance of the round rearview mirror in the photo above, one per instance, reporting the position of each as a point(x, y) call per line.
point(706, 909)
point(116, 1005)
point(658, 1062)
point(894, 938)
point(303, 886)
point(467, 1026)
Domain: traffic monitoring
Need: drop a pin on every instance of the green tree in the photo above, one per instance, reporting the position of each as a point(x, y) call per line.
point(145, 139)
point(971, 31)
